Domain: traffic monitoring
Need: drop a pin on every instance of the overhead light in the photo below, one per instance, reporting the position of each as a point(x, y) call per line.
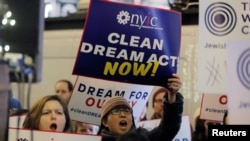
point(12, 22)
point(6, 48)
point(8, 14)
point(4, 21)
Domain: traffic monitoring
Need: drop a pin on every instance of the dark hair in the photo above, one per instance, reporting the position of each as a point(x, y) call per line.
point(70, 85)
point(199, 130)
point(139, 134)
point(224, 117)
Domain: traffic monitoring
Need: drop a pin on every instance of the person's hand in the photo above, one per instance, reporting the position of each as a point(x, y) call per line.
point(174, 84)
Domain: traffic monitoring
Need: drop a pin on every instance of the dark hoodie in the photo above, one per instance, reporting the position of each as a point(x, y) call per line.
point(168, 127)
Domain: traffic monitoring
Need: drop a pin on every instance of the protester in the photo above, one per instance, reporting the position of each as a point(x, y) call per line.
point(64, 89)
point(139, 134)
point(117, 115)
point(157, 103)
point(50, 113)
point(84, 128)
point(200, 132)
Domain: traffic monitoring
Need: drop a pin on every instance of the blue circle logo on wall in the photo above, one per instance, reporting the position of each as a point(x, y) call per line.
point(243, 68)
point(220, 18)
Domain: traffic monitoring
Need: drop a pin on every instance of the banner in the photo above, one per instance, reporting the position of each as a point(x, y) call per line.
point(238, 58)
point(34, 135)
point(125, 51)
point(89, 94)
point(219, 21)
point(16, 121)
point(129, 43)
point(213, 106)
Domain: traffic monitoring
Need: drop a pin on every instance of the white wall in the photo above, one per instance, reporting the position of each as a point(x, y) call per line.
point(60, 49)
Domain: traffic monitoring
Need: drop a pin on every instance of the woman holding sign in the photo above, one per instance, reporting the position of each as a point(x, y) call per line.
point(117, 115)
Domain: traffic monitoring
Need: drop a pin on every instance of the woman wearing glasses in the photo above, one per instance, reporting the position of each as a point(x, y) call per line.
point(157, 103)
point(117, 116)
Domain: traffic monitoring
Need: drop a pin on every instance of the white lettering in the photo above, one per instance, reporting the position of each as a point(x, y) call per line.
point(135, 41)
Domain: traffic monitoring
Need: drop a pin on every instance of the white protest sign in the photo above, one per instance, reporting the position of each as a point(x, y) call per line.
point(213, 106)
point(238, 58)
point(89, 94)
point(16, 121)
point(183, 134)
point(219, 21)
point(34, 135)
point(148, 124)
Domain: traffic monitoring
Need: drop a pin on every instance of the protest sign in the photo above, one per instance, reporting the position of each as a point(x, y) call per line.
point(35, 135)
point(184, 134)
point(238, 58)
point(219, 21)
point(129, 43)
point(213, 106)
point(89, 94)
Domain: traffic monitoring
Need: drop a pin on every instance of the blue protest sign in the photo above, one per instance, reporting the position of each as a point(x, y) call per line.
point(129, 43)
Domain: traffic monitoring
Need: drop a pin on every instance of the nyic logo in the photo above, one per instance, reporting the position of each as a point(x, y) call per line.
point(220, 18)
point(243, 68)
point(137, 20)
point(123, 17)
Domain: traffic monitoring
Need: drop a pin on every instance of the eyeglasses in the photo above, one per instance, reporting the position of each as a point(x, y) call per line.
point(117, 111)
point(158, 100)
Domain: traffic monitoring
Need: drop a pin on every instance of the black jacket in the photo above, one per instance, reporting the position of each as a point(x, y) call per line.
point(168, 127)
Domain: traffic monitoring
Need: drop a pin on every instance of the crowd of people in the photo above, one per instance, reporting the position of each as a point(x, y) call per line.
point(50, 113)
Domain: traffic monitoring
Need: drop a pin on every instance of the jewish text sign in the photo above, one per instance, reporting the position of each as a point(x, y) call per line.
point(219, 21)
point(238, 58)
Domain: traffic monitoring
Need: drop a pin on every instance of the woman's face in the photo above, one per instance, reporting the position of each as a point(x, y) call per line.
point(158, 106)
point(52, 117)
point(120, 121)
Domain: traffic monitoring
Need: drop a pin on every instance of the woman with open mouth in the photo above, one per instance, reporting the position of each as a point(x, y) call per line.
point(50, 113)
